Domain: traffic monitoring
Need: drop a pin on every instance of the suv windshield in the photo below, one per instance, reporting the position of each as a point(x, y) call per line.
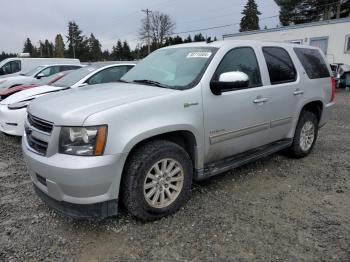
point(74, 77)
point(33, 71)
point(176, 68)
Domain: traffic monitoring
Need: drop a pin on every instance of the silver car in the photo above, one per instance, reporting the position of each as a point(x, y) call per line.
point(184, 113)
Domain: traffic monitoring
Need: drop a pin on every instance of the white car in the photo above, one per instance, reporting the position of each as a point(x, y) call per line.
point(13, 110)
point(19, 65)
point(36, 74)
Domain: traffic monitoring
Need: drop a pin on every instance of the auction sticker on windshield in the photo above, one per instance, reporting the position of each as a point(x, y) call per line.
point(199, 55)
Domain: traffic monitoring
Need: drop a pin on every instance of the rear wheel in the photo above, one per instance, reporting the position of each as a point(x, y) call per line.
point(305, 135)
point(157, 180)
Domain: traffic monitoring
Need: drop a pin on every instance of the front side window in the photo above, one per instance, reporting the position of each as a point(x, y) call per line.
point(241, 59)
point(176, 68)
point(280, 65)
point(34, 71)
point(11, 67)
point(109, 75)
point(50, 71)
point(313, 63)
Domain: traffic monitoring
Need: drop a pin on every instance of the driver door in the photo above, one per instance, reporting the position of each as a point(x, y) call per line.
point(236, 120)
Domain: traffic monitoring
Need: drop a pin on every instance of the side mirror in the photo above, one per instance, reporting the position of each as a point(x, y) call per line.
point(39, 76)
point(229, 81)
point(83, 84)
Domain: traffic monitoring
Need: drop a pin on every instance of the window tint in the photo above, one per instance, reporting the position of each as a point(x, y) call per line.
point(312, 62)
point(241, 59)
point(112, 74)
point(280, 65)
point(68, 67)
point(12, 67)
point(50, 71)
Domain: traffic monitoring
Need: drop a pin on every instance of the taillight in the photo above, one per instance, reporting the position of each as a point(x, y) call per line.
point(333, 89)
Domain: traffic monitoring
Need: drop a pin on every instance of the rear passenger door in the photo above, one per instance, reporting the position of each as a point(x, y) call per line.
point(284, 91)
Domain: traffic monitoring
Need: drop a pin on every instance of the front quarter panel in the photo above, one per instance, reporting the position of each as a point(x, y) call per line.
point(132, 123)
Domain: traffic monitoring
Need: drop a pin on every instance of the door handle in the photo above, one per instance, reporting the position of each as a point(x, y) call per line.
point(260, 100)
point(298, 92)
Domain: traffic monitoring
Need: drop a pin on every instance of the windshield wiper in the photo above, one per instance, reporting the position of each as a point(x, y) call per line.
point(150, 82)
point(123, 81)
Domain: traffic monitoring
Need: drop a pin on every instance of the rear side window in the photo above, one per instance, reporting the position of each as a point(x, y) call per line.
point(68, 67)
point(280, 65)
point(313, 63)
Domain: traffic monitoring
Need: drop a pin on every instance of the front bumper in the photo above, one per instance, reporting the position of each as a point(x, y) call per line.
point(98, 210)
point(76, 186)
point(12, 121)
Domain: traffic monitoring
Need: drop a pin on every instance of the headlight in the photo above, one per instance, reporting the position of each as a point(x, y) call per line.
point(19, 105)
point(83, 141)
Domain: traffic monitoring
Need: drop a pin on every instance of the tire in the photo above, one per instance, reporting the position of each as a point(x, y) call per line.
point(141, 172)
point(298, 148)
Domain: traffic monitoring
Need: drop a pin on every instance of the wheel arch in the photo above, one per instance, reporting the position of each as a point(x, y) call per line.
point(313, 106)
point(182, 137)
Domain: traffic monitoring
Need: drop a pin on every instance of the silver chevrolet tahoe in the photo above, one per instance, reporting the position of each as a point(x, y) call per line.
point(185, 113)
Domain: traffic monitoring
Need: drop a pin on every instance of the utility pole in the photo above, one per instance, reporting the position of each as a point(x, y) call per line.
point(147, 11)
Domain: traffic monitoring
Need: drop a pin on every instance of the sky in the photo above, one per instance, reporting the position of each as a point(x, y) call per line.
point(110, 20)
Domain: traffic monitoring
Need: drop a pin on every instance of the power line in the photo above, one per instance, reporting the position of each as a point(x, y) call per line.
point(217, 27)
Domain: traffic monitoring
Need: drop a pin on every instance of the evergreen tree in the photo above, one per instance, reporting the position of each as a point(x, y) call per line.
point(4, 55)
point(106, 55)
point(75, 40)
point(126, 51)
point(95, 52)
point(48, 50)
point(117, 51)
point(305, 11)
point(199, 38)
point(29, 47)
point(250, 19)
point(59, 46)
point(188, 39)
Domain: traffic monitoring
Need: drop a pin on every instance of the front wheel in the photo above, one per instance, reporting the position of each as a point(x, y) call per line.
point(157, 180)
point(305, 135)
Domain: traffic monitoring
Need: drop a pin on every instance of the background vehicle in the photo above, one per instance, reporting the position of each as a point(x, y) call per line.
point(185, 112)
point(13, 110)
point(20, 65)
point(6, 92)
point(34, 75)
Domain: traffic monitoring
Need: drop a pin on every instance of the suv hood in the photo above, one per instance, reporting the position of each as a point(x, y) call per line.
point(30, 94)
point(72, 107)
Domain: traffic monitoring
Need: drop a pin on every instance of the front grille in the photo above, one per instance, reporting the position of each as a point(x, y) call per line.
point(40, 124)
point(38, 145)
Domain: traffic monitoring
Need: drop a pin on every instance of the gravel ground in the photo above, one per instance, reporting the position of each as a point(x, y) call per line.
point(277, 209)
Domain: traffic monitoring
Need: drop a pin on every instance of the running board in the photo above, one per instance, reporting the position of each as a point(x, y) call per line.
point(241, 159)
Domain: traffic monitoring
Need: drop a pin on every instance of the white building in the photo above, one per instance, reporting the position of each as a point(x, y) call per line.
point(332, 36)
